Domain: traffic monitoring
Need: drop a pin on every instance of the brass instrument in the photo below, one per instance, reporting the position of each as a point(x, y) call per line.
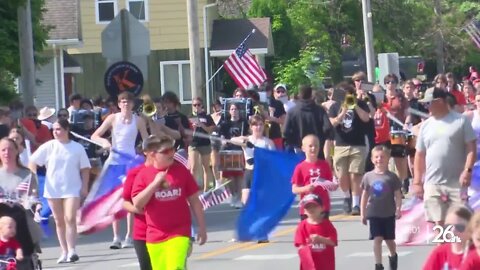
point(148, 109)
point(350, 101)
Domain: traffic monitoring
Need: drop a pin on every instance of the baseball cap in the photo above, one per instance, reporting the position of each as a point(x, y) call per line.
point(311, 199)
point(433, 93)
point(280, 85)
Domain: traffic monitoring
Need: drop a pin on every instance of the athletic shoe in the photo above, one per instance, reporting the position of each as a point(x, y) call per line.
point(128, 243)
point(73, 258)
point(347, 205)
point(62, 259)
point(356, 211)
point(116, 244)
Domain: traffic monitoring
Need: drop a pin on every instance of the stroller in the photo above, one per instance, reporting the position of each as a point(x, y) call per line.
point(25, 236)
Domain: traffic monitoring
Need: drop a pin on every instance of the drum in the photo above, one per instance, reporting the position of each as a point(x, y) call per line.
point(231, 160)
point(411, 142)
point(398, 138)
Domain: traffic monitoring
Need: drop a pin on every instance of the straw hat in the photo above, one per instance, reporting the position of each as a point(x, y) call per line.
point(45, 113)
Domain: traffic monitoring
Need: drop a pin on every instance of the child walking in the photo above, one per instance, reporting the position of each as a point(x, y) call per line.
point(313, 175)
point(381, 204)
point(316, 237)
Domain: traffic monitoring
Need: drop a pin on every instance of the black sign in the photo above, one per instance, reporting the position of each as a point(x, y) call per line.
point(123, 76)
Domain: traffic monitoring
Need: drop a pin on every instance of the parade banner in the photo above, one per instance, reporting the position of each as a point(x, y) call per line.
point(271, 194)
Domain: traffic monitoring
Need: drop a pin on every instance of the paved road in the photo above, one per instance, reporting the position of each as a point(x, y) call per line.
point(220, 253)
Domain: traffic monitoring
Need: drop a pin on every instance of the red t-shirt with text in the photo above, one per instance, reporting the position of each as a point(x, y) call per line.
point(139, 223)
point(323, 255)
point(472, 262)
point(167, 213)
point(441, 256)
point(10, 247)
point(306, 173)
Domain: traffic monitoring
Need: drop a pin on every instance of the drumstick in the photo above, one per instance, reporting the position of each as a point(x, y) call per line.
point(394, 119)
point(418, 113)
point(215, 138)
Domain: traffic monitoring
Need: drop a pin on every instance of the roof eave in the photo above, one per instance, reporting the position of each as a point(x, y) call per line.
point(73, 42)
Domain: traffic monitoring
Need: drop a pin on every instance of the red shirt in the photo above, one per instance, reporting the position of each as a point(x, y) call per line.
point(442, 255)
point(139, 223)
point(41, 132)
point(9, 248)
point(397, 105)
point(472, 262)
point(323, 255)
point(167, 213)
point(459, 97)
point(382, 126)
point(307, 173)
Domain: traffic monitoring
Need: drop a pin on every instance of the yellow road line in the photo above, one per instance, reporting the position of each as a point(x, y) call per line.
point(254, 245)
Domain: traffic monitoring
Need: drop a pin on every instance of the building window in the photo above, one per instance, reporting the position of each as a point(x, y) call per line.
point(175, 77)
point(106, 10)
point(139, 9)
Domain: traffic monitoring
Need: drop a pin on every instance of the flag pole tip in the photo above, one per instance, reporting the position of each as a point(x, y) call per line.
point(253, 31)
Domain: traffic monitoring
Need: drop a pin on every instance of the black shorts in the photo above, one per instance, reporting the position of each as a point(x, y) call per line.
point(383, 227)
point(326, 214)
point(397, 151)
point(248, 174)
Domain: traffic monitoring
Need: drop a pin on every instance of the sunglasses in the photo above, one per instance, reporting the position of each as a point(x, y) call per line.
point(166, 151)
point(458, 227)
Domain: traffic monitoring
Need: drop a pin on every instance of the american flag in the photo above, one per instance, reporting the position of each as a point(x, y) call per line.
point(473, 30)
point(25, 184)
point(214, 197)
point(244, 68)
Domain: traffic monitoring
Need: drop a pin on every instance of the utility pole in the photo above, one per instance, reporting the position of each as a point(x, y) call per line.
point(368, 32)
point(27, 62)
point(439, 42)
point(194, 48)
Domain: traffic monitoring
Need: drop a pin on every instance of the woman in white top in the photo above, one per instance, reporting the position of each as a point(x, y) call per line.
point(257, 126)
point(124, 127)
point(66, 181)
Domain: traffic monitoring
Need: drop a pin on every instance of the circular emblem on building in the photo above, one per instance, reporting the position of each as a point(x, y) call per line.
point(123, 76)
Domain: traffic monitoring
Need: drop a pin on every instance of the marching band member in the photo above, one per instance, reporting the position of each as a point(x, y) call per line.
point(234, 126)
point(124, 127)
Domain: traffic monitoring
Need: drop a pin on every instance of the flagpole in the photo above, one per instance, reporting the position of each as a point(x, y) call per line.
point(220, 68)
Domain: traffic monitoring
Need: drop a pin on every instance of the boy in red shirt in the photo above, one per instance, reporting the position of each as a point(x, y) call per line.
point(313, 175)
point(166, 191)
point(316, 237)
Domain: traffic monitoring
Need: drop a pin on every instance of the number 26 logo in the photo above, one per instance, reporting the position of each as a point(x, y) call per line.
point(445, 235)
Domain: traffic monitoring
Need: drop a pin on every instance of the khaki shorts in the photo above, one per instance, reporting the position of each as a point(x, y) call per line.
point(349, 159)
point(437, 199)
point(202, 150)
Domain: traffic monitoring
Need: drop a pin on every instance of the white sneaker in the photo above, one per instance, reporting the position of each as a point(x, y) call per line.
point(116, 244)
point(238, 205)
point(128, 243)
point(62, 259)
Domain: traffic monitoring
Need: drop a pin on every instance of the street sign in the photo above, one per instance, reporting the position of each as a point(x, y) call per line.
point(126, 39)
point(123, 76)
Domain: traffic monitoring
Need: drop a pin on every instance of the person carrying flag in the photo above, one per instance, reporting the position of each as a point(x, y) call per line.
point(124, 127)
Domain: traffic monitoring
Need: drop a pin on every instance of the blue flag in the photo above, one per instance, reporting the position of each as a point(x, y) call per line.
point(270, 196)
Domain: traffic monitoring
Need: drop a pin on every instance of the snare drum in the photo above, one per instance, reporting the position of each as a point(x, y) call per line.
point(398, 138)
point(231, 160)
point(411, 142)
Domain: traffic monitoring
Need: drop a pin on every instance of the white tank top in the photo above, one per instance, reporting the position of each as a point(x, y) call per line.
point(123, 138)
point(260, 143)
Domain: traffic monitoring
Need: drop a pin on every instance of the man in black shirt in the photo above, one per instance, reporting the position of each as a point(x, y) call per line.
point(176, 120)
point(351, 123)
point(202, 124)
point(276, 118)
point(308, 118)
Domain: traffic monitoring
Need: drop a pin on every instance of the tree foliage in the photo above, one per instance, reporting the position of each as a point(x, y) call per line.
point(408, 27)
point(9, 43)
